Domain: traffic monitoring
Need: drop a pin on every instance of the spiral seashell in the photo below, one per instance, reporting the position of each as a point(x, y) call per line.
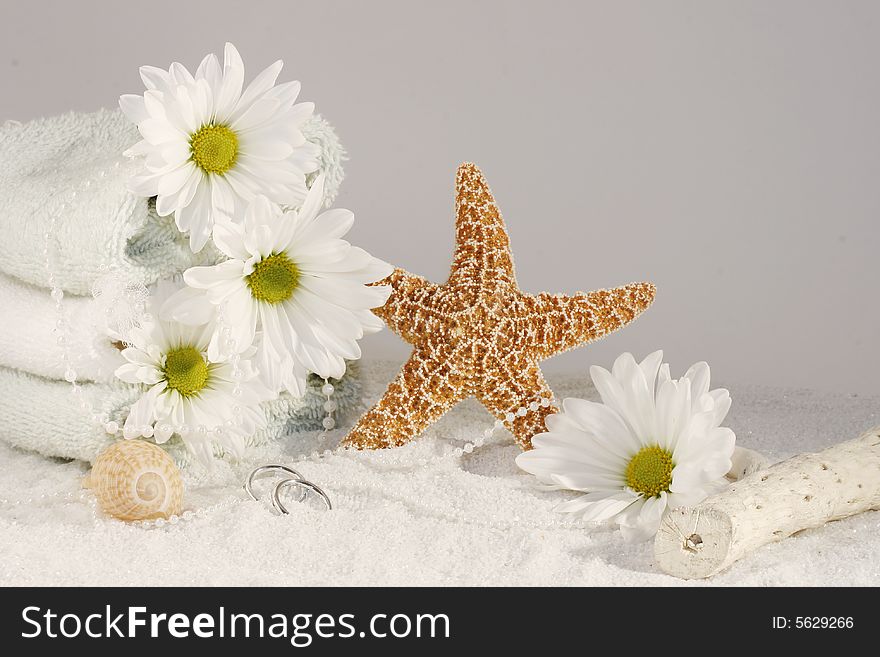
point(136, 480)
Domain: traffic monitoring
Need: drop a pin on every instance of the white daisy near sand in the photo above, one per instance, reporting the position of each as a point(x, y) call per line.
point(653, 443)
point(204, 401)
point(294, 287)
point(209, 147)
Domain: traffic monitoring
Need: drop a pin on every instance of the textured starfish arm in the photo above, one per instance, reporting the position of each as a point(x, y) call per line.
point(482, 246)
point(515, 387)
point(426, 387)
point(562, 322)
point(408, 310)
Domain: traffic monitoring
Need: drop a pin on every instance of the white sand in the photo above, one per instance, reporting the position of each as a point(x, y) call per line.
point(469, 521)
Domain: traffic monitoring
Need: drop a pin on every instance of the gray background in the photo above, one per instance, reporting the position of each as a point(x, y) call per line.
point(727, 151)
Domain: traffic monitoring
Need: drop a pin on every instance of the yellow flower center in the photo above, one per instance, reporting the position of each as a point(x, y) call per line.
point(186, 370)
point(274, 279)
point(214, 148)
point(649, 472)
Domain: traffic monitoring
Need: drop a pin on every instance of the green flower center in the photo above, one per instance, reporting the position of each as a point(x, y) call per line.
point(274, 278)
point(650, 471)
point(214, 148)
point(185, 370)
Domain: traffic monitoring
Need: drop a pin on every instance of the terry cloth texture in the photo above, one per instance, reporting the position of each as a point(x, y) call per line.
point(71, 167)
point(43, 416)
point(44, 165)
point(29, 341)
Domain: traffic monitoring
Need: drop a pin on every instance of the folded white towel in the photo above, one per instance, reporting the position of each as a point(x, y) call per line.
point(42, 415)
point(42, 164)
point(29, 340)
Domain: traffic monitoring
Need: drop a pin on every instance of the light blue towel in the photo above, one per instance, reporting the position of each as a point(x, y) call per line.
point(43, 162)
point(43, 415)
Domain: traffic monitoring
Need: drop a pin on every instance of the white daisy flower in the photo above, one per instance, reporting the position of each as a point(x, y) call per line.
point(291, 277)
point(189, 394)
point(210, 147)
point(653, 444)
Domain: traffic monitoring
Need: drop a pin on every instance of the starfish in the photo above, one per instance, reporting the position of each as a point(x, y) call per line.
point(478, 335)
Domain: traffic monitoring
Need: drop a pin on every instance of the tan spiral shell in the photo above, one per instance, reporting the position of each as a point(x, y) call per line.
point(136, 480)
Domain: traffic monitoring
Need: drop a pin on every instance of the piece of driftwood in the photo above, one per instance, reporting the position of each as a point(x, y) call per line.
point(773, 503)
point(744, 462)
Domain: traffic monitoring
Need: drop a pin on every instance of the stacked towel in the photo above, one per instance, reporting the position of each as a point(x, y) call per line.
point(44, 162)
point(99, 227)
point(42, 415)
point(28, 339)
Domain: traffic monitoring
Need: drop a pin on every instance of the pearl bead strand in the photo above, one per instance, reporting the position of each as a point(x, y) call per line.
point(62, 325)
point(330, 405)
point(64, 337)
point(229, 347)
point(522, 411)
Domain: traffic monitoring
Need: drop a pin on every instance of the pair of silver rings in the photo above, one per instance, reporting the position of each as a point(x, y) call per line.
point(290, 478)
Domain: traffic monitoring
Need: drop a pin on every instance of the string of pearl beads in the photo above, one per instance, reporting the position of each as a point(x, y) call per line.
point(62, 326)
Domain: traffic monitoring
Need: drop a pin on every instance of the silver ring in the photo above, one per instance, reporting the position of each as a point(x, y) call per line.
point(302, 483)
point(263, 469)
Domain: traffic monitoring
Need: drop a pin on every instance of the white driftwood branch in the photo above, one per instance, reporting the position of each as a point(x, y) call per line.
point(805, 491)
point(744, 462)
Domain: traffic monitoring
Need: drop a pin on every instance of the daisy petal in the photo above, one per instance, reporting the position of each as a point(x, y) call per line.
point(285, 93)
point(699, 376)
point(229, 238)
point(591, 502)
point(604, 424)
point(188, 306)
point(155, 78)
point(645, 525)
point(721, 406)
point(229, 92)
point(650, 367)
point(258, 86)
point(141, 413)
point(209, 70)
point(207, 277)
point(172, 181)
point(255, 115)
point(133, 107)
point(266, 150)
point(158, 131)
